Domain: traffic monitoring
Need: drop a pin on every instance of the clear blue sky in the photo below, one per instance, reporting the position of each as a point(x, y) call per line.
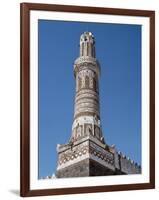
point(118, 49)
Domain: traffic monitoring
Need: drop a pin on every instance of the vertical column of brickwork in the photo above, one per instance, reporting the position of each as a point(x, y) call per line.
point(87, 109)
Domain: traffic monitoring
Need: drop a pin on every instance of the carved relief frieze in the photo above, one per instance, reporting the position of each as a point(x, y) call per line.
point(102, 154)
point(76, 152)
point(86, 72)
point(87, 66)
point(85, 59)
point(87, 77)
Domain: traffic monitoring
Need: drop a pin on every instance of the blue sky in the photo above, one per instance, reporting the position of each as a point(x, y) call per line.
point(118, 49)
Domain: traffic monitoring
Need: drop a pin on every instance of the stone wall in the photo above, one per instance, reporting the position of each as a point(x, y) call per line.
point(80, 169)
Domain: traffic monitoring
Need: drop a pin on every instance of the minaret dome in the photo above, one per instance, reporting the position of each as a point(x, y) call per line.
point(87, 43)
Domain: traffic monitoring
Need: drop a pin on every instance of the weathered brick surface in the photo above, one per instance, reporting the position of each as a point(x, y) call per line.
point(95, 169)
point(85, 168)
point(79, 169)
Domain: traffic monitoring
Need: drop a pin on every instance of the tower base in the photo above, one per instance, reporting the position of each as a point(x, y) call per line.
point(90, 157)
point(85, 168)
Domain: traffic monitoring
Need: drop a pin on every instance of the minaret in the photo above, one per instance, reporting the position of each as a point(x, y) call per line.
point(87, 73)
point(86, 153)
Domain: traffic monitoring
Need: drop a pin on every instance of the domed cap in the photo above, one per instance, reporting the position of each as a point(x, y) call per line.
point(87, 37)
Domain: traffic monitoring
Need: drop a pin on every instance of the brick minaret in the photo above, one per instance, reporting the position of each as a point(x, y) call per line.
point(87, 72)
point(86, 153)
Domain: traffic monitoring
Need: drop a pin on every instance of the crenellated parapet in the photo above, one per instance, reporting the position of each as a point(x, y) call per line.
point(127, 165)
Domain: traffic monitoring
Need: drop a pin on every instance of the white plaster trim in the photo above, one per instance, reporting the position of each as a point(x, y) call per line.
point(84, 120)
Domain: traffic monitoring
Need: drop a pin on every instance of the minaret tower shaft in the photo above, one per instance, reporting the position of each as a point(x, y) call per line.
point(87, 73)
